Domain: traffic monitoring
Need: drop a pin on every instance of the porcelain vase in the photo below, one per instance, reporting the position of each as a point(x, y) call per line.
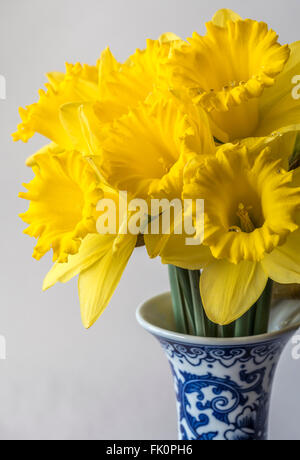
point(223, 386)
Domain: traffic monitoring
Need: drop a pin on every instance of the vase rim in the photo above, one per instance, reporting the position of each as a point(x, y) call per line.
point(143, 319)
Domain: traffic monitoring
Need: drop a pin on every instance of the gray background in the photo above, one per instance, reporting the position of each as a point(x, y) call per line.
point(111, 382)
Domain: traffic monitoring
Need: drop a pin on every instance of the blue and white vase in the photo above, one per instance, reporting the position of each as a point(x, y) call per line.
point(223, 386)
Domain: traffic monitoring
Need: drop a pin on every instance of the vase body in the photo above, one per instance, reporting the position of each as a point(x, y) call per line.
point(223, 391)
point(223, 386)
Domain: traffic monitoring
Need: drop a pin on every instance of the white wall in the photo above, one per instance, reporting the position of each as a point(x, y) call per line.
point(111, 382)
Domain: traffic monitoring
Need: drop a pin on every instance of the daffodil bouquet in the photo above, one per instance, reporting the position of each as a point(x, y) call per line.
point(203, 132)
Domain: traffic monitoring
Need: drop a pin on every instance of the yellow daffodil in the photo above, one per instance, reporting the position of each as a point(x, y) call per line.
point(132, 82)
point(86, 98)
point(214, 119)
point(63, 212)
point(241, 75)
point(122, 88)
point(146, 150)
point(100, 263)
point(171, 246)
point(63, 197)
point(73, 114)
point(251, 230)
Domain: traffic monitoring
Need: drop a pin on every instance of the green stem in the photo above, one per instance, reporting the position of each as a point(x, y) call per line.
point(212, 328)
point(227, 331)
point(177, 301)
point(263, 306)
point(244, 325)
point(199, 314)
point(187, 300)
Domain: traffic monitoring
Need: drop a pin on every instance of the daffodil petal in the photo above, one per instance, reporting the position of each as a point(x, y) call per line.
point(282, 143)
point(191, 257)
point(98, 283)
point(80, 83)
point(283, 264)
point(52, 149)
point(280, 105)
point(93, 248)
point(223, 16)
point(55, 79)
point(107, 65)
point(168, 37)
point(135, 79)
point(83, 127)
point(229, 290)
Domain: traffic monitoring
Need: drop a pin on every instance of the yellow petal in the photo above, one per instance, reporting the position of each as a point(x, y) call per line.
point(98, 283)
point(283, 264)
point(278, 105)
point(229, 290)
point(223, 16)
point(168, 37)
point(131, 83)
point(80, 83)
point(52, 149)
point(282, 143)
point(238, 122)
point(107, 65)
point(55, 79)
point(124, 86)
point(93, 248)
point(83, 127)
point(173, 250)
point(135, 79)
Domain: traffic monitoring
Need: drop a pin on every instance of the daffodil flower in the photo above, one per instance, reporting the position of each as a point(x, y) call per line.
point(73, 113)
point(241, 75)
point(100, 263)
point(251, 229)
point(153, 127)
point(123, 88)
point(63, 212)
point(86, 98)
point(146, 151)
point(135, 80)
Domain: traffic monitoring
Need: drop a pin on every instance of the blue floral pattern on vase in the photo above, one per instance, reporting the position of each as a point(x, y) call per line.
point(223, 391)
